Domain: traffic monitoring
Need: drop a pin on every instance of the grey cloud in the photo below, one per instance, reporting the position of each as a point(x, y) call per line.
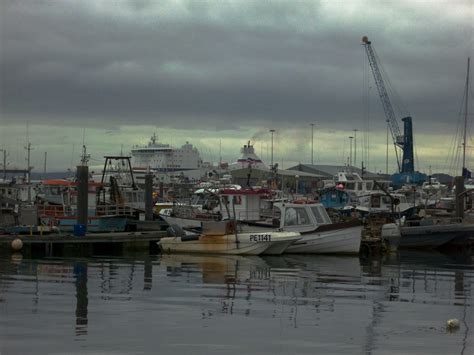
point(204, 63)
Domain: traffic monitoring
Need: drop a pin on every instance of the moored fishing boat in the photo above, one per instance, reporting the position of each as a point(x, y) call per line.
point(319, 235)
point(427, 233)
point(221, 237)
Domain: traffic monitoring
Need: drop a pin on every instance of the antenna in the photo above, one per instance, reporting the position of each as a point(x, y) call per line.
point(28, 171)
point(44, 166)
point(72, 155)
point(220, 153)
point(84, 157)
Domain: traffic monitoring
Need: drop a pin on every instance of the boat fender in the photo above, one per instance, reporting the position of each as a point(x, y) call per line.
point(188, 238)
point(230, 227)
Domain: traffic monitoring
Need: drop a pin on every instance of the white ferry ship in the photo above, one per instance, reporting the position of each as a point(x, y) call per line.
point(166, 162)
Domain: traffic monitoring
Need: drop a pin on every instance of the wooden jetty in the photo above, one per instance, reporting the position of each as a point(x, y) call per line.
point(91, 243)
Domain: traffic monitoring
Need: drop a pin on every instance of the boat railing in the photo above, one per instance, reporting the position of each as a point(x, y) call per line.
point(54, 210)
point(250, 215)
point(102, 210)
point(114, 210)
point(267, 213)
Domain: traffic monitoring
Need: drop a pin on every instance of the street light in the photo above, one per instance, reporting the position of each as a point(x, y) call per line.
point(4, 163)
point(272, 131)
point(355, 147)
point(350, 151)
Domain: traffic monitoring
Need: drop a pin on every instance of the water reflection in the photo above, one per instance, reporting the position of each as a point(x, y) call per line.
point(80, 274)
point(385, 304)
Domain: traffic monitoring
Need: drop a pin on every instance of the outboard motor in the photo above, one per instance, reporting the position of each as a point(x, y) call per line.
point(175, 231)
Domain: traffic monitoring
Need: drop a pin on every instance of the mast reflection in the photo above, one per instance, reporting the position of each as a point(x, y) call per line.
point(82, 301)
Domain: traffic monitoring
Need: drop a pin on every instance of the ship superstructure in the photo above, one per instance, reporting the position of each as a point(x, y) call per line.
point(247, 159)
point(166, 162)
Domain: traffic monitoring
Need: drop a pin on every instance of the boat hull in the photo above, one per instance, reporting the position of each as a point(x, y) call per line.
point(433, 236)
point(244, 244)
point(427, 236)
point(337, 241)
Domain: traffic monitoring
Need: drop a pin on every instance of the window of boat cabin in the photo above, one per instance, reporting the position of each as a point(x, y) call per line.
point(350, 186)
point(321, 215)
point(375, 201)
point(295, 216)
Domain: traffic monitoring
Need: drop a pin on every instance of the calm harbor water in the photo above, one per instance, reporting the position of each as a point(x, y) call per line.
point(183, 304)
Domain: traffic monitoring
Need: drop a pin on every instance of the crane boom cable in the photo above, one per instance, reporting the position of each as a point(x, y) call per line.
point(387, 105)
point(400, 108)
point(401, 139)
point(366, 103)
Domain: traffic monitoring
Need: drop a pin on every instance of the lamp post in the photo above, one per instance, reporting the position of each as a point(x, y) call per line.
point(386, 153)
point(296, 183)
point(4, 163)
point(312, 141)
point(355, 147)
point(350, 151)
point(272, 131)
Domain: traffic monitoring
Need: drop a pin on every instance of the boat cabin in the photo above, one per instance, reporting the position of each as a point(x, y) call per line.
point(300, 217)
point(352, 182)
point(243, 204)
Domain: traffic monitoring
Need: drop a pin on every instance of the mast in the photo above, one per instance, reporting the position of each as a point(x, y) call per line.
point(28, 173)
point(44, 166)
point(465, 120)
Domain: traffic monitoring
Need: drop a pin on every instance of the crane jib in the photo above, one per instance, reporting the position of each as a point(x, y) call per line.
point(405, 140)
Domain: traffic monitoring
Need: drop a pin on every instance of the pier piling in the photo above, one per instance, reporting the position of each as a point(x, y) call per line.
point(82, 176)
point(459, 184)
point(149, 197)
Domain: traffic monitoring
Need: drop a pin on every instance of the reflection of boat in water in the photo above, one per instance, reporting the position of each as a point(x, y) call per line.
point(432, 258)
point(349, 266)
point(219, 269)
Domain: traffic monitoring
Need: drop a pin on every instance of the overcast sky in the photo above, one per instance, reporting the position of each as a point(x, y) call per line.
point(109, 73)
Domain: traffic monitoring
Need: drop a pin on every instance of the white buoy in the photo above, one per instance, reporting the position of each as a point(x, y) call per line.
point(17, 244)
point(452, 324)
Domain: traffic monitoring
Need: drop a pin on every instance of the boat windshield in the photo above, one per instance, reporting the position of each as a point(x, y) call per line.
point(295, 216)
point(321, 215)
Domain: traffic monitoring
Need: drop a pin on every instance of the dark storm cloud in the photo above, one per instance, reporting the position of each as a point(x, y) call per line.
point(194, 63)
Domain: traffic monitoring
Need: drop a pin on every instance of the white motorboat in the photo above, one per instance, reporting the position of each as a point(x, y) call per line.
point(318, 234)
point(221, 237)
point(377, 202)
point(427, 232)
point(186, 216)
